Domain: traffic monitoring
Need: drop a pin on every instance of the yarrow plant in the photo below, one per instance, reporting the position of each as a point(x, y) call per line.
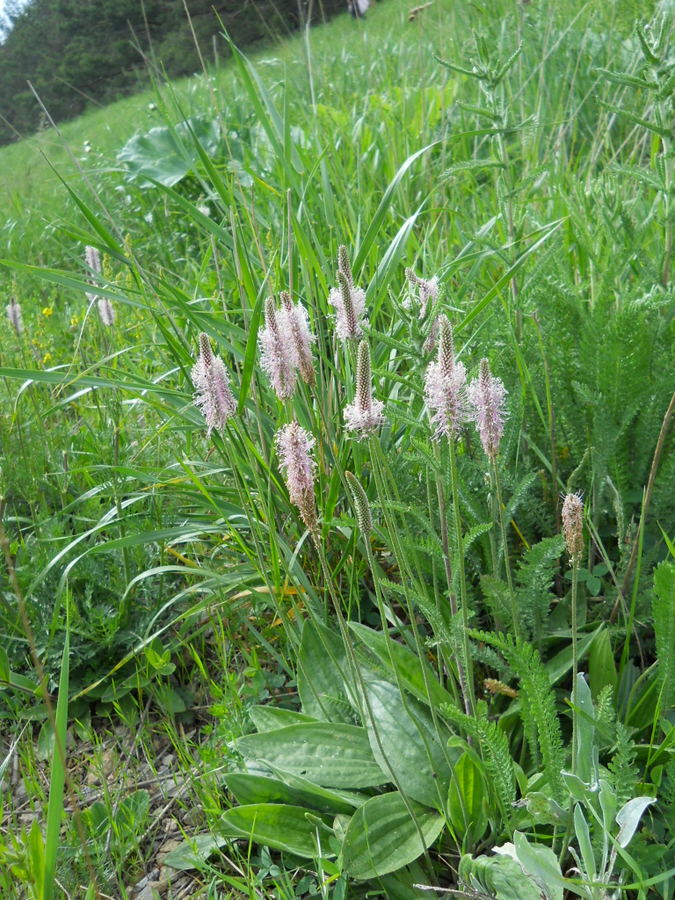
point(445, 387)
point(364, 415)
point(294, 446)
point(213, 395)
point(348, 301)
point(279, 356)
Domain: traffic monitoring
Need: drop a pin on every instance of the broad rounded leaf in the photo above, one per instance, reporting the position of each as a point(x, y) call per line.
point(166, 154)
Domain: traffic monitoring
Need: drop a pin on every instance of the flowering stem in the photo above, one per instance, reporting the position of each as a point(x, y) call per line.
point(443, 515)
point(467, 686)
point(494, 474)
point(367, 714)
point(575, 661)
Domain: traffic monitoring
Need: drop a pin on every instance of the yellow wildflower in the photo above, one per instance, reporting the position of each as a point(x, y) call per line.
point(47, 311)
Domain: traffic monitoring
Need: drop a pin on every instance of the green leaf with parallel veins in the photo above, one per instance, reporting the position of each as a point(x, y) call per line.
point(339, 756)
point(466, 799)
point(322, 666)
point(267, 718)
point(405, 744)
point(383, 837)
point(250, 789)
point(276, 825)
point(415, 676)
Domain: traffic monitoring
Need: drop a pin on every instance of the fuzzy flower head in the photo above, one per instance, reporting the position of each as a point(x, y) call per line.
point(294, 446)
point(364, 415)
point(92, 257)
point(445, 387)
point(572, 521)
point(426, 291)
point(213, 395)
point(279, 356)
point(15, 316)
point(106, 312)
point(293, 321)
point(487, 395)
point(348, 301)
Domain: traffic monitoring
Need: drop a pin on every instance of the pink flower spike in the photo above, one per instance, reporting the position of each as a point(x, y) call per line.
point(487, 395)
point(279, 357)
point(213, 395)
point(92, 257)
point(295, 323)
point(348, 301)
point(445, 387)
point(364, 415)
point(106, 311)
point(294, 445)
point(15, 316)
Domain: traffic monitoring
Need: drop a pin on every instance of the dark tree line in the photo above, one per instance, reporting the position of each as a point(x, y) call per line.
point(74, 52)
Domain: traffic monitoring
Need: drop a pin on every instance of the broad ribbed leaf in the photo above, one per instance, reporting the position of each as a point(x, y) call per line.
point(383, 836)
point(261, 789)
point(276, 825)
point(332, 756)
point(322, 668)
point(415, 676)
point(405, 744)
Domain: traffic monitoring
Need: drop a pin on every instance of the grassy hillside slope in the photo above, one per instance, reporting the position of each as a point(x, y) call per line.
point(438, 657)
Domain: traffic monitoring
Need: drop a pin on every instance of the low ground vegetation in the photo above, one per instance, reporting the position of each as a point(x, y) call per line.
point(336, 485)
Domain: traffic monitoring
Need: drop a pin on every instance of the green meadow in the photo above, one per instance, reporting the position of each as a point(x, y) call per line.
point(336, 472)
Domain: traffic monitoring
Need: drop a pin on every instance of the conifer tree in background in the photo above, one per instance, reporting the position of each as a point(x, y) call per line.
point(75, 54)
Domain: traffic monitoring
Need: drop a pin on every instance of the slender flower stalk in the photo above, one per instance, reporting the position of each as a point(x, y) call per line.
point(15, 316)
point(427, 290)
point(364, 415)
point(279, 356)
point(445, 397)
point(213, 395)
point(487, 396)
point(445, 387)
point(573, 531)
point(294, 318)
point(348, 301)
point(294, 445)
